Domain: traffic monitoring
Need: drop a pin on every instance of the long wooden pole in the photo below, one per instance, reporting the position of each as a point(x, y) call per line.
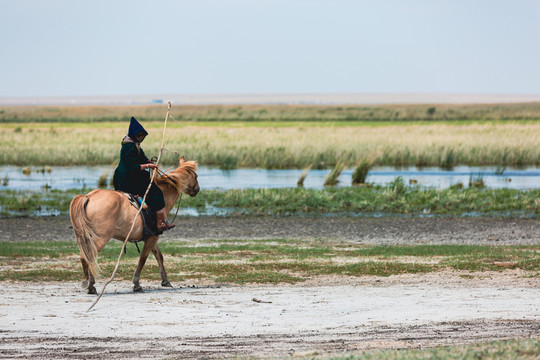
point(136, 215)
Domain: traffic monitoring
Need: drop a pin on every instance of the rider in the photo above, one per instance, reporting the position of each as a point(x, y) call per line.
point(131, 175)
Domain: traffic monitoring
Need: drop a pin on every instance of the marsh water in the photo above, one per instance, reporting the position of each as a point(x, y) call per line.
point(78, 177)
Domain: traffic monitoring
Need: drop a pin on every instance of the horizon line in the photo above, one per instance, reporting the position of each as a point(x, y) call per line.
point(272, 99)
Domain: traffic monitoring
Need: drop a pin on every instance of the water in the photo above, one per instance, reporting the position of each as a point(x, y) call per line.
point(78, 177)
point(58, 177)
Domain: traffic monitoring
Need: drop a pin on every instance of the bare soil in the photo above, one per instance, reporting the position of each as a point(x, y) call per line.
point(373, 231)
point(320, 316)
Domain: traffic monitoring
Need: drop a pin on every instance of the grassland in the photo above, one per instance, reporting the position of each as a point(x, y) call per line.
point(509, 349)
point(298, 145)
point(273, 113)
point(395, 198)
point(266, 261)
point(290, 137)
point(279, 136)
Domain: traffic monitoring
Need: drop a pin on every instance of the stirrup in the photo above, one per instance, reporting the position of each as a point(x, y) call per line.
point(167, 226)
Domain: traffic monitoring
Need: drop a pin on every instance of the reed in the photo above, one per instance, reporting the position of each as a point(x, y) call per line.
point(332, 178)
point(102, 181)
point(300, 182)
point(477, 181)
point(280, 146)
point(361, 171)
point(457, 186)
point(396, 188)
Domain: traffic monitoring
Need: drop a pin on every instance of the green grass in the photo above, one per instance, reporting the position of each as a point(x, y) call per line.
point(495, 350)
point(50, 249)
point(395, 198)
point(18, 202)
point(266, 261)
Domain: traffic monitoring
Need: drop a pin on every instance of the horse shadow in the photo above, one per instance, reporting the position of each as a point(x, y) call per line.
point(159, 290)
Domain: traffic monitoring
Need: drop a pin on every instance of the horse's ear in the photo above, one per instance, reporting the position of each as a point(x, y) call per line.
point(182, 160)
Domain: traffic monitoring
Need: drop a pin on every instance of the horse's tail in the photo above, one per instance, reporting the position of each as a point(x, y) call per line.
point(84, 233)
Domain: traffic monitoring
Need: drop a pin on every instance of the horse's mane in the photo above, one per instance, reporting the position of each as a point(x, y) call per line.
point(178, 178)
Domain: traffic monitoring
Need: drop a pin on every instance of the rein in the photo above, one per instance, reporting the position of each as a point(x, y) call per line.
point(178, 201)
point(177, 207)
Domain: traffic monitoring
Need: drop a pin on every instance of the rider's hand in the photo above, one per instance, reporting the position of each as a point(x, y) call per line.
point(148, 166)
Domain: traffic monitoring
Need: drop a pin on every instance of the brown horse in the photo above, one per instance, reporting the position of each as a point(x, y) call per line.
point(104, 214)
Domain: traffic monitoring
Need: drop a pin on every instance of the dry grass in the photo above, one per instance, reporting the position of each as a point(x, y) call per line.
point(298, 146)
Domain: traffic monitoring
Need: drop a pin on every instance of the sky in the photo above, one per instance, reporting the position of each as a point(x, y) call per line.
point(93, 48)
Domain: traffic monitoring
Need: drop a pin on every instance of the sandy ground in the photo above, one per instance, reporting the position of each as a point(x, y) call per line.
point(51, 320)
point(323, 315)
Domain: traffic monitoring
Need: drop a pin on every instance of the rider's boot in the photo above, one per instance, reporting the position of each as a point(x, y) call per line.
point(162, 224)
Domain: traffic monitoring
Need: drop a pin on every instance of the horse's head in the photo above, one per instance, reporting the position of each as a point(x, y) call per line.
point(183, 178)
point(192, 186)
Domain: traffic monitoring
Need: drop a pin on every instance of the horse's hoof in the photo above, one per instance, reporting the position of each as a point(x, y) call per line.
point(92, 290)
point(166, 284)
point(84, 284)
point(138, 289)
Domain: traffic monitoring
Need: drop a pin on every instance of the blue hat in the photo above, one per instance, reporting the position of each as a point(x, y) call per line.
point(135, 127)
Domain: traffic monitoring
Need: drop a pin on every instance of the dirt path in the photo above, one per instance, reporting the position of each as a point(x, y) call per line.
point(50, 320)
point(386, 230)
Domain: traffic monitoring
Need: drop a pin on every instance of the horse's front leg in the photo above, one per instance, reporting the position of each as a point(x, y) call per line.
point(159, 257)
point(148, 246)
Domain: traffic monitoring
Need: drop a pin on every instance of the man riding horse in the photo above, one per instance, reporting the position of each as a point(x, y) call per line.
point(131, 175)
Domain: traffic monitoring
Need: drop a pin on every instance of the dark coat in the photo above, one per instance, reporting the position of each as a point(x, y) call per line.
point(129, 177)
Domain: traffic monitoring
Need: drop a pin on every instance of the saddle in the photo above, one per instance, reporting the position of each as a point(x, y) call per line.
point(148, 217)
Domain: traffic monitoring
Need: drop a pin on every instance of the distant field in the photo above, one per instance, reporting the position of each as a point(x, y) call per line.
point(399, 113)
point(279, 136)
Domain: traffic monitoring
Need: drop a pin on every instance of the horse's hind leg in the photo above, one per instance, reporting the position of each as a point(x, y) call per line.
point(148, 246)
point(84, 264)
point(89, 281)
point(159, 257)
